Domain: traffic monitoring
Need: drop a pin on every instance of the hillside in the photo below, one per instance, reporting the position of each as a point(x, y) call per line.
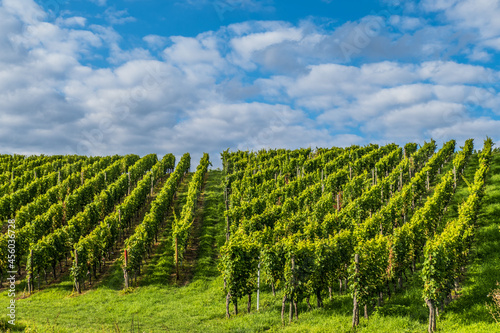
point(196, 302)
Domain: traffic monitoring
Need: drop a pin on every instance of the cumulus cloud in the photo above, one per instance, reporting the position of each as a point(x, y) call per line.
point(101, 3)
point(224, 6)
point(116, 17)
point(244, 47)
point(26, 11)
point(416, 119)
point(75, 21)
point(155, 41)
point(476, 17)
point(473, 128)
point(248, 85)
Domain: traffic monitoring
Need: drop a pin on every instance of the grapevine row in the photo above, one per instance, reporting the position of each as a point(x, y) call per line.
point(446, 254)
point(42, 170)
point(54, 216)
point(139, 244)
point(28, 164)
point(380, 258)
point(91, 249)
point(182, 225)
point(52, 248)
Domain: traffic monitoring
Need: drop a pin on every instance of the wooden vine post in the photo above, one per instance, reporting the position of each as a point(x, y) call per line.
point(400, 179)
point(125, 269)
point(77, 277)
point(432, 315)
point(227, 216)
point(128, 173)
point(120, 232)
point(322, 182)
point(292, 302)
point(454, 177)
point(228, 300)
point(235, 302)
point(30, 275)
point(152, 184)
point(283, 310)
point(355, 311)
point(258, 285)
point(176, 260)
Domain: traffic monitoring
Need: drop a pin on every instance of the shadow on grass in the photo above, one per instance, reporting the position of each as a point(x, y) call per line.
point(161, 267)
point(5, 326)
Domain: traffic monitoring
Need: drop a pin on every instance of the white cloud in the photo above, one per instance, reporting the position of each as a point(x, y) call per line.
point(26, 10)
point(479, 17)
point(244, 47)
point(453, 73)
point(99, 2)
point(199, 95)
point(117, 17)
point(75, 21)
point(155, 41)
point(477, 129)
point(478, 54)
point(224, 6)
point(192, 51)
point(415, 120)
point(252, 126)
point(120, 56)
point(406, 23)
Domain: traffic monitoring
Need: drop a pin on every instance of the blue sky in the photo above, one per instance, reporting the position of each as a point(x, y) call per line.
point(103, 77)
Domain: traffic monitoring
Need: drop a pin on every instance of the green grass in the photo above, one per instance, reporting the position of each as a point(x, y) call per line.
point(155, 305)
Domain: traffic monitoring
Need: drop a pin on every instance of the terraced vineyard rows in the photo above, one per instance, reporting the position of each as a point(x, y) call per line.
point(374, 232)
point(291, 232)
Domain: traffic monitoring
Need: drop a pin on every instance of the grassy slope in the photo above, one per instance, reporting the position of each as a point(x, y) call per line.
point(200, 307)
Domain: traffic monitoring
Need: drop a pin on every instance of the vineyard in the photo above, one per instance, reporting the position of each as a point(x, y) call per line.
point(363, 238)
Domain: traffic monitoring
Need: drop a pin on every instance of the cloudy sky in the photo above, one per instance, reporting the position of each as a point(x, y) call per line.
point(104, 77)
